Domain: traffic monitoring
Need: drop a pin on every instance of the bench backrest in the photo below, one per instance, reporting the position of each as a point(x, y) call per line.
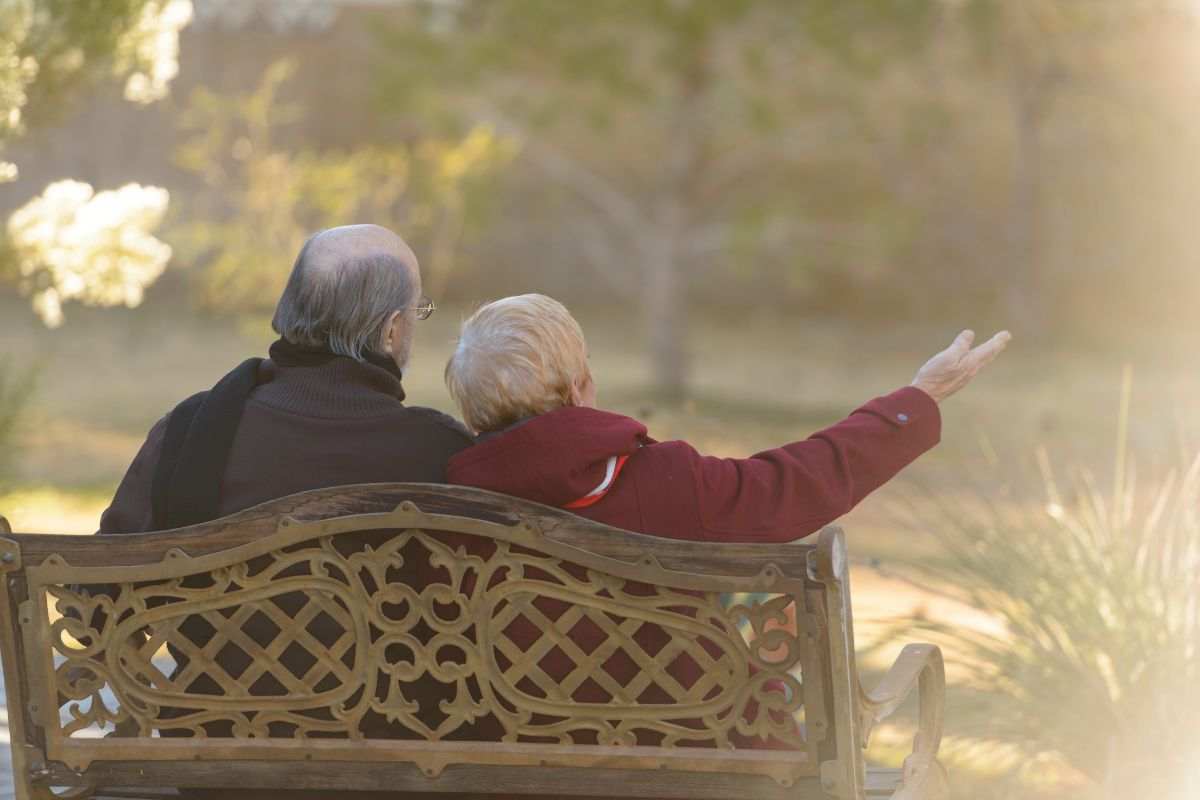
point(456, 639)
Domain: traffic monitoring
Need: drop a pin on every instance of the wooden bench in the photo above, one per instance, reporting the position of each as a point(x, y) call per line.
point(154, 661)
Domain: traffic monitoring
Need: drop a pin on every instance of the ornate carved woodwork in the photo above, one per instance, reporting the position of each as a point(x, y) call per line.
point(428, 625)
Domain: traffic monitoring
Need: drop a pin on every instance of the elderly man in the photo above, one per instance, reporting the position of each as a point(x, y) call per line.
point(325, 410)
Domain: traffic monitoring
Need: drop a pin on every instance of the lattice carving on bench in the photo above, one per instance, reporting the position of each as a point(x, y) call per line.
point(423, 635)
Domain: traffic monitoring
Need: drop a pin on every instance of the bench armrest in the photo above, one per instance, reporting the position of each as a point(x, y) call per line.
point(919, 666)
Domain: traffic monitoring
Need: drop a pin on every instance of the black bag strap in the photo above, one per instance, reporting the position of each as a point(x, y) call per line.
point(186, 489)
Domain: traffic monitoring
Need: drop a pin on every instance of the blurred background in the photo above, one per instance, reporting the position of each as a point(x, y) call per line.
point(764, 212)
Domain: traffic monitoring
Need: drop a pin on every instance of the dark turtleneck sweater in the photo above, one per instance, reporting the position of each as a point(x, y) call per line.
point(304, 428)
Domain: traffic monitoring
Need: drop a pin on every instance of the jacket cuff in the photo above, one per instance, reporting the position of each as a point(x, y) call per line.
point(910, 409)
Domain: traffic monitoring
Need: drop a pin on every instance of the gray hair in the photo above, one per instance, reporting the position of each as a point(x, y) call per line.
point(346, 307)
point(517, 357)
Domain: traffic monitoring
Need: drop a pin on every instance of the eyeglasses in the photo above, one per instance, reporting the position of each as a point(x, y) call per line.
point(425, 308)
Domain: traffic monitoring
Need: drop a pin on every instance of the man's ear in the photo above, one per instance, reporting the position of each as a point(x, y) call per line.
point(389, 346)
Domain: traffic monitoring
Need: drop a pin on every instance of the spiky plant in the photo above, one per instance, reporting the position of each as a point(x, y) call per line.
point(1096, 592)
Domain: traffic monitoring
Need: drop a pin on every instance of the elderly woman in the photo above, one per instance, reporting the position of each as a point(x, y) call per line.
point(520, 377)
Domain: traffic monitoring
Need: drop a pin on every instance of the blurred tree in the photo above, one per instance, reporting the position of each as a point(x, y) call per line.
point(679, 129)
point(52, 48)
point(264, 198)
point(72, 243)
point(1039, 51)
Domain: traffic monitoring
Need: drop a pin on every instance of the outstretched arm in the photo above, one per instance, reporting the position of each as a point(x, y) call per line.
point(791, 491)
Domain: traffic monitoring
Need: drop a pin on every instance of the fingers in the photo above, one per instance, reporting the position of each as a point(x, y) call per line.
point(986, 353)
point(962, 343)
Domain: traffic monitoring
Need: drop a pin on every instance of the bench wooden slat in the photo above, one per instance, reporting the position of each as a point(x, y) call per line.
point(462, 778)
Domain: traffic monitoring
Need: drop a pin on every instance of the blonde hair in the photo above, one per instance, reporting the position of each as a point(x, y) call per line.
point(516, 357)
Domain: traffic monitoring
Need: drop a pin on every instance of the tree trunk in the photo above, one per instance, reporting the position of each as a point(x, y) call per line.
point(666, 300)
point(665, 306)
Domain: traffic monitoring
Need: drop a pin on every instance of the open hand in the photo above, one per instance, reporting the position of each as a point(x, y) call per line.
point(954, 367)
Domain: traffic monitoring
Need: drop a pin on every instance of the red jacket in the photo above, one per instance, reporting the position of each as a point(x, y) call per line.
point(669, 489)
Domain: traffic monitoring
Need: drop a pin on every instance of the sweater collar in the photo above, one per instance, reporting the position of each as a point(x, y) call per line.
point(327, 385)
point(287, 354)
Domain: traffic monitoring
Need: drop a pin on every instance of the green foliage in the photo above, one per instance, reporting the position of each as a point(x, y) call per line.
point(51, 49)
point(1025, 37)
point(74, 42)
point(1098, 662)
point(901, 157)
point(72, 243)
point(265, 198)
point(16, 71)
point(570, 62)
point(869, 35)
point(667, 137)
